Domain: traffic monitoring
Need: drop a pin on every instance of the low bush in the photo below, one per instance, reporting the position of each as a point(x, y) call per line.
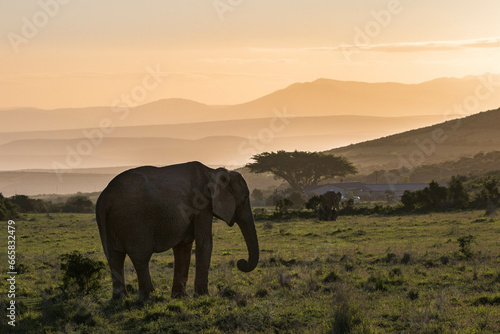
point(465, 245)
point(81, 271)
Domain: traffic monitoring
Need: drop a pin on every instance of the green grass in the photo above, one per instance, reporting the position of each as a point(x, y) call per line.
point(313, 277)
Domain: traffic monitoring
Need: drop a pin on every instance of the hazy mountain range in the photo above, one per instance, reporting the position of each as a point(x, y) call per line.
point(218, 143)
point(323, 97)
point(315, 116)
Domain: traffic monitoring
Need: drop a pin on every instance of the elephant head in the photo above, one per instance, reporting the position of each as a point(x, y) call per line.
point(231, 203)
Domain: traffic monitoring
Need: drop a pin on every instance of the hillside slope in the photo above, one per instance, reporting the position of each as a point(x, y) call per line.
point(442, 142)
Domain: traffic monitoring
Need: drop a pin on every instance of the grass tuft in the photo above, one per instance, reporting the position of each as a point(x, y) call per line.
point(331, 277)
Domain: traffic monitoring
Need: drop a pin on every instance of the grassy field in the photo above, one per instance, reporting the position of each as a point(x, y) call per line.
point(401, 274)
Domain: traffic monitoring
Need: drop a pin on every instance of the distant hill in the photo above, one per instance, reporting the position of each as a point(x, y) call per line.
point(333, 97)
point(323, 97)
point(223, 142)
point(479, 164)
point(434, 144)
point(89, 181)
point(47, 182)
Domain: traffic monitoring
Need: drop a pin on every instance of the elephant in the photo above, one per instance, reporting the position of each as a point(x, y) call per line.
point(150, 210)
point(329, 206)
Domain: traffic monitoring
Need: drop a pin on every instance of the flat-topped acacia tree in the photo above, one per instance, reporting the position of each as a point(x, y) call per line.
point(301, 169)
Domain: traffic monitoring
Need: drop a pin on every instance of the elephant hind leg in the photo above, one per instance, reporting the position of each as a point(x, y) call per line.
point(116, 262)
point(141, 265)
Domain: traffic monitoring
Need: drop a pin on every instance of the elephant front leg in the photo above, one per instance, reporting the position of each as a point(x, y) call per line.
point(182, 259)
point(203, 237)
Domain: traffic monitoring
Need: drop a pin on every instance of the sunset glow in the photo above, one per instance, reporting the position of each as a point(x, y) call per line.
point(87, 53)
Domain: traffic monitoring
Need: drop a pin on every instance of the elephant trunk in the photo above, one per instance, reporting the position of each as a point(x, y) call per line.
point(247, 226)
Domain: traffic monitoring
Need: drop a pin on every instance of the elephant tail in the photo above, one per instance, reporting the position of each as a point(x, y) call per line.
point(101, 215)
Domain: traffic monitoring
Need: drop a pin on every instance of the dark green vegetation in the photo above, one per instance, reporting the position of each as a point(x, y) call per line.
point(7, 208)
point(433, 273)
point(80, 272)
point(454, 197)
point(21, 203)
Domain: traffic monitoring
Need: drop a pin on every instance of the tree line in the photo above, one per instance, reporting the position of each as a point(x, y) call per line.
point(10, 207)
point(461, 193)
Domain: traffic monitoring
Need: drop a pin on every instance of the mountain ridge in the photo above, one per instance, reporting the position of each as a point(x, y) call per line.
point(322, 97)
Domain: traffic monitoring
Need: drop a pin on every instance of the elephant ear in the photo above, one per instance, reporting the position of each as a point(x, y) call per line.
point(223, 203)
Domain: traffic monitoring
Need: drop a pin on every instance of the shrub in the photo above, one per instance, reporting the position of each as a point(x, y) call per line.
point(412, 295)
point(406, 258)
point(434, 195)
point(345, 318)
point(282, 205)
point(457, 194)
point(261, 293)
point(313, 203)
point(485, 300)
point(7, 209)
point(389, 258)
point(226, 291)
point(431, 198)
point(376, 283)
point(331, 277)
point(348, 206)
point(497, 279)
point(297, 200)
point(78, 204)
point(465, 245)
point(408, 199)
point(82, 271)
point(395, 272)
point(26, 204)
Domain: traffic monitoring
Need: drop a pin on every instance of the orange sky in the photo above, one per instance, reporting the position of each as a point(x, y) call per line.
point(57, 53)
